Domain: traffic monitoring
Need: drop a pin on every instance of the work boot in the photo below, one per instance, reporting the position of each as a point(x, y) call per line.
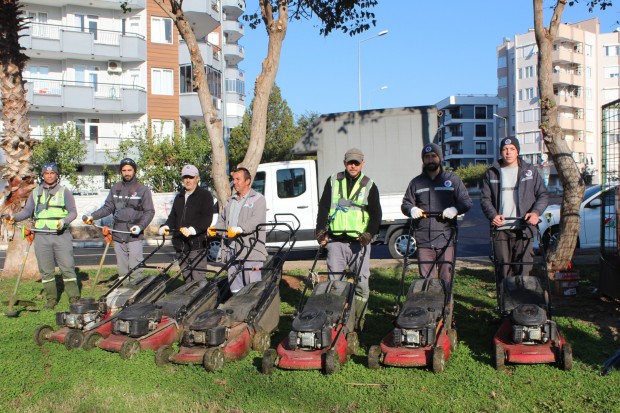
point(50, 304)
point(72, 289)
point(360, 313)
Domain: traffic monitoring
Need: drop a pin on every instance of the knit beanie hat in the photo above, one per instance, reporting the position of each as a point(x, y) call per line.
point(432, 147)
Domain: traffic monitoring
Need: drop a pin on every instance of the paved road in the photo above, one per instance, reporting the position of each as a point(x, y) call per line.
point(473, 242)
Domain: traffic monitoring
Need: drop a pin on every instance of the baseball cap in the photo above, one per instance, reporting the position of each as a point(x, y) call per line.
point(354, 154)
point(189, 170)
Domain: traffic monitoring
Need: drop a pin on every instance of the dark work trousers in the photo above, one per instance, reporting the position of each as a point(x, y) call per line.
point(515, 246)
point(427, 258)
point(128, 256)
point(194, 267)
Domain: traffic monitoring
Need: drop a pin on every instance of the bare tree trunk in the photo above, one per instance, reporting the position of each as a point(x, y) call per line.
point(561, 252)
point(210, 115)
point(276, 30)
point(18, 170)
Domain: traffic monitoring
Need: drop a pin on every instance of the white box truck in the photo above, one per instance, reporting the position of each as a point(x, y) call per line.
point(392, 141)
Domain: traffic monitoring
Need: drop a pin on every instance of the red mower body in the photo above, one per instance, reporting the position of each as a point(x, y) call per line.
point(301, 359)
point(167, 332)
point(553, 351)
point(236, 347)
point(402, 356)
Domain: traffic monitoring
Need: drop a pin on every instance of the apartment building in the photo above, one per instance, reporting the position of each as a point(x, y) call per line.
point(468, 127)
point(586, 75)
point(111, 71)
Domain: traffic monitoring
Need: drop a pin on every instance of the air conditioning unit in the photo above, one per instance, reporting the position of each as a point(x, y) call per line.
point(114, 66)
point(218, 104)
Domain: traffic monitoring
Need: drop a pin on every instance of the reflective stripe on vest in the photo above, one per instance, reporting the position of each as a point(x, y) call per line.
point(349, 212)
point(47, 212)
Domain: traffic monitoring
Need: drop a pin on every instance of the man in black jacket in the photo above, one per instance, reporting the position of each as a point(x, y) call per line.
point(131, 204)
point(191, 215)
point(513, 188)
point(435, 190)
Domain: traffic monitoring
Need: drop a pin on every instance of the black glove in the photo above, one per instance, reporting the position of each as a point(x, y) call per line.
point(365, 238)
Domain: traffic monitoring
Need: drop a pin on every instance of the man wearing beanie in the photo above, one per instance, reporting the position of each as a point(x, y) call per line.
point(350, 203)
point(435, 190)
point(191, 215)
point(52, 207)
point(131, 204)
point(513, 188)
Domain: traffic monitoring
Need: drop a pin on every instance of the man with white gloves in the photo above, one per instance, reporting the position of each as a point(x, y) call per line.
point(131, 204)
point(243, 211)
point(435, 190)
point(191, 215)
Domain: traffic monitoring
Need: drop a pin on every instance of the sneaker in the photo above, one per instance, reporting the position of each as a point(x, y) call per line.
point(74, 300)
point(51, 303)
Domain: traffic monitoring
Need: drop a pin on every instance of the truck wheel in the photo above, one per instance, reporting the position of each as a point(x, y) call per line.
point(42, 334)
point(398, 244)
point(74, 339)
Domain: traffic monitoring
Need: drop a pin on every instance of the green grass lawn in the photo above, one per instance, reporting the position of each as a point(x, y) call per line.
point(51, 378)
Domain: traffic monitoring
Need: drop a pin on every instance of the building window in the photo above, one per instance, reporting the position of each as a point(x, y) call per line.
point(161, 30)
point(529, 92)
point(502, 82)
point(480, 112)
point(503, 102)
point(520, 73)
point(481, 131)
point(161, 129)
point(588, 50)
point(529, 71)
point(481, 162)
point(501, 62)
point(162, 82)
point(520, 94)
point(88, 129)
point(481, 148)
point(87, 23)
point(186, 83)
point(214, 79)
point(612, 50)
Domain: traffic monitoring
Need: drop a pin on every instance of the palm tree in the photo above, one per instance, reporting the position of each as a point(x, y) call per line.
point(17, 170)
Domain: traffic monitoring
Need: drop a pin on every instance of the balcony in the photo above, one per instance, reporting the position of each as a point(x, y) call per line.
point(233, 8)
point(567, 78)
point(234, 30)
point(453, 136)
point(569, 101)
point(135, 5)
point(234, 54)
point(69, 96)
point(203, 15)
point(453, 154)
point(566, 55)
point(571, 123)
point(189, 106)
point(51, 41)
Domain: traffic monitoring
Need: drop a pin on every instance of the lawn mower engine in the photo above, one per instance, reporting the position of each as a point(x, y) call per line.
point(416, 327)
point(137, 320)
point(531, 326)
point(83, 314)
point(209, 329)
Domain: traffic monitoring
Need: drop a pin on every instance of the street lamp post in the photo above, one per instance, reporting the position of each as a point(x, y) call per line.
point(359, 64)
point(375, 91)
point(505, 124)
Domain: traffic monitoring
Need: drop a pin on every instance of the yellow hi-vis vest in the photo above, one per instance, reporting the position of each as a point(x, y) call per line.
point(47, 211)
point(349, 213)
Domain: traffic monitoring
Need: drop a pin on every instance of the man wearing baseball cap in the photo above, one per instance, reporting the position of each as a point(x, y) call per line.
point(435, 190)
point(52, 207)
point(512, 188)
point(131, 204)
point(191, 215)
point(349, 217)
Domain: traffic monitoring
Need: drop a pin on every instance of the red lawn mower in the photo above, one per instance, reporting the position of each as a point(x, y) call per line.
point(149, 326)
point(322, 337)
point(423, 334)
point(244, 322)
point(527, 334)
point(88, 320)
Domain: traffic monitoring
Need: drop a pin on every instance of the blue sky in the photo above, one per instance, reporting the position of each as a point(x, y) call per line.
point(432, 50)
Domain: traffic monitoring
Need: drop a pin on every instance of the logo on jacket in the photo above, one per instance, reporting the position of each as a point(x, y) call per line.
point(447, 184)
point(528, 173)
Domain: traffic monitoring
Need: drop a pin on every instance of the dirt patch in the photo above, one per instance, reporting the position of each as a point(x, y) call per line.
point(590, 307)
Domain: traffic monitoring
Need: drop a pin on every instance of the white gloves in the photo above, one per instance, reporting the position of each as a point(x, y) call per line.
point(450, 213)
point(188, 231)
point(135, 230)
point(416, 213)
point(164, 230)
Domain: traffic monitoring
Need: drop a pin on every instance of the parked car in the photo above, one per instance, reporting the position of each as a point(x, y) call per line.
point(589, 214)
